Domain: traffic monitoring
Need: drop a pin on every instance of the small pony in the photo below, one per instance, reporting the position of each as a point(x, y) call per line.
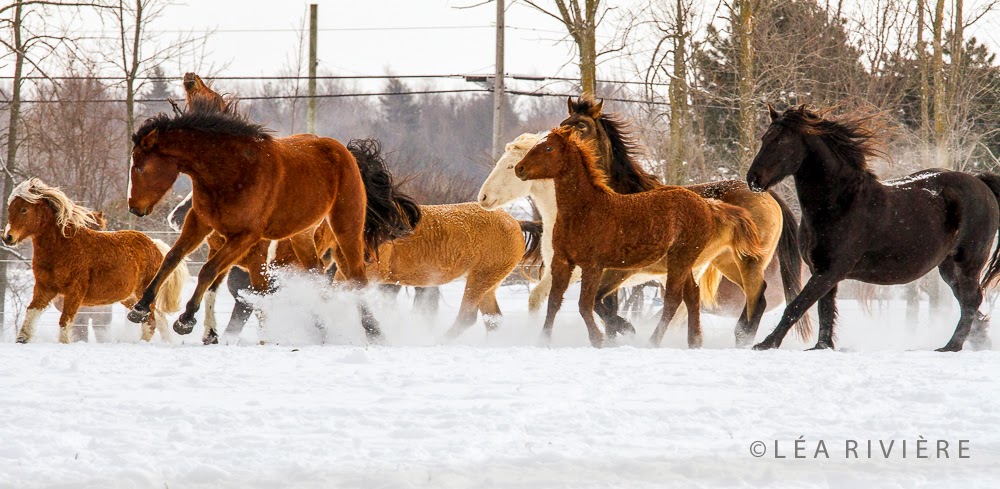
point(84, 266)
point(600, 230)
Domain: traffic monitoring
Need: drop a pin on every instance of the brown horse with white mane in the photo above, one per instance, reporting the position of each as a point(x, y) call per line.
point(248, 186)
point(600, 230)
point(83, 266)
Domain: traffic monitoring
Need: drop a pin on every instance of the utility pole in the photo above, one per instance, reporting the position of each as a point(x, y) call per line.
point(311, 112)
point(498, 87)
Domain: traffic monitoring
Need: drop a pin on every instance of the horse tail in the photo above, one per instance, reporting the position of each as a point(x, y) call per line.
point(390, 214)
point(790, 263)
point(708, 286)
point(992, 181)
point(532, 231)
point(169, 298)
point(745, 237)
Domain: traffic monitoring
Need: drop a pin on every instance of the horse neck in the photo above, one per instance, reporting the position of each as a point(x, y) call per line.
point(575, 191)
point(543, 194)
point(50, 242)
point(823, 178)
point(603, 148)
point(207, 159)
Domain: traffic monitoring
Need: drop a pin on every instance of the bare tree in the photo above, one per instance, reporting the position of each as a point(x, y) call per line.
point(581, 23)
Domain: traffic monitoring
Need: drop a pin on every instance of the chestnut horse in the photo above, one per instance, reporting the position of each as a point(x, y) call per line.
point(855, 226)
point(610, 135)
point(83, 266)
point(600, 230)
point(249, 186)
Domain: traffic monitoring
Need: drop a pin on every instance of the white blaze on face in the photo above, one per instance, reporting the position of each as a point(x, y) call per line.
point(130, 163)
point(6, 230)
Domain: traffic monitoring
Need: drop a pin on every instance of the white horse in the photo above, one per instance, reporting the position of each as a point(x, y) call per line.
point(503, 187)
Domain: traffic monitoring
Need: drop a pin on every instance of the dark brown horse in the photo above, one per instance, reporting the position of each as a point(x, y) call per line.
point(598, 229)
point(855, 226)
point(250, 186)
point(742, 276)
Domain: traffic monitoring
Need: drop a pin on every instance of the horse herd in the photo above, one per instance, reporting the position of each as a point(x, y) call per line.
point(311, 202)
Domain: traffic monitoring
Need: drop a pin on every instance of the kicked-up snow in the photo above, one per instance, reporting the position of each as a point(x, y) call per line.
point(496, 410)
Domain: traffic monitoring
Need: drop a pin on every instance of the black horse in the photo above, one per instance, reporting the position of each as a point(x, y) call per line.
point(857, 227)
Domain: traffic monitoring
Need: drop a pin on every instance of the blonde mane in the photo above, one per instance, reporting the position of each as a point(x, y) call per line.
point(523, 143)
point(588, 154)
point(68, 213)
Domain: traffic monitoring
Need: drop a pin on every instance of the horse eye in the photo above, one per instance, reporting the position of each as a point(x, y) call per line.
point(548, 149)
point(24, 210)
point(138, 169)
point(511, 167)
point(581, 125)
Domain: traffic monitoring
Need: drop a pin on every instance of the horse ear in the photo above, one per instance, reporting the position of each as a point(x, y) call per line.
point(570, 105)
point(595, 111)
point(774, 113)
point(149, 141)
point(802, 109)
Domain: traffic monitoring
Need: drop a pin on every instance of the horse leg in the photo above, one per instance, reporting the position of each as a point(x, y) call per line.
point(234, 248)
point(304, 246)
point(817, 286)
point(963, 278)
point(748, 274)
point(591, 282)
point(541, 291)
point(827, 316)
point(476, 288)
point(426, 300)
point(211, 335)
point(693, 304)
point(490, 310)
point(673, 295)
point(71, 304)
point(607, 303)
point(40, 299)
point(561, 271)
point(239, 280)
point(348, 230)
point(193, 233)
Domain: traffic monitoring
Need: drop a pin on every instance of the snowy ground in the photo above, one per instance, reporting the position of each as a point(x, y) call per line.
point(493, 411)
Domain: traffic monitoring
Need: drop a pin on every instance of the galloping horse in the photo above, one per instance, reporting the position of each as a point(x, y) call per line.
point(454, 241)
point(609, 133)
point(83, 266)
point(250, 186)
point(857, 227)
point(599, 229)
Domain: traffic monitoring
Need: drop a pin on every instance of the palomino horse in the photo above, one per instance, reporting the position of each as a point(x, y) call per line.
point(250, 186)
point(454, 241)
point(599, 229)
point(609, 133)
point(502, 187)
point(255, 264)
point(84, 266)
point(857, 227)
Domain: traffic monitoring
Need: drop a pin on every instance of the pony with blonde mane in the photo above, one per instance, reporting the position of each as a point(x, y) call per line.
point(611, 236)
point(84, 266)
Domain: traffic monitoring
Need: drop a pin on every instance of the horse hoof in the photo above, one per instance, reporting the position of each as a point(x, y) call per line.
point(597, 341)
point(821, 346)
point(137, 315)
point(764, 345)
point(182, 326)
point(22, 340)
point(211, 338)
point(949, 348)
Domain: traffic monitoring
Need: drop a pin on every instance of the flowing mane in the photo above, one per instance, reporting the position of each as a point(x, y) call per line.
point(852, 138)
point(524, 142)
point(624, 170)
point(68, 213)
point(588, 156)
point(204, 116)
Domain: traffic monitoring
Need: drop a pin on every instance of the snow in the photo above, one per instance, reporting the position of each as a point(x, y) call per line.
point(490, 410)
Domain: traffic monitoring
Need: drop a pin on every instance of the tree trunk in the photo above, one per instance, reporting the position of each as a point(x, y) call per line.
point(677, 173)
point(940, 95)
point(588, 61)
point(742, 20)
point(954, 81)
point(11, 160)
point(922, 66)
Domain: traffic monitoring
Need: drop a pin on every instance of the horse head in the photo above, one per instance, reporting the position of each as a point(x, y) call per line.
point(153, 171)
point(782, 151)
point(502, 186)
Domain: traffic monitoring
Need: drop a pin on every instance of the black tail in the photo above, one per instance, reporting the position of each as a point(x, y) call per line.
point(790, 263)
point(992, 181)
point(390, 213)
point(532, 240)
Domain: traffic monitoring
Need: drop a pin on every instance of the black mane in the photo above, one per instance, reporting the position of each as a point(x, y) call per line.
point(626, 174)
point(207, 119)
point(853, 138)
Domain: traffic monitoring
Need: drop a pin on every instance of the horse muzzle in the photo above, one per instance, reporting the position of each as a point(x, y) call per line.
point(755, 184)
point(138, 212)
point(10, 240)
